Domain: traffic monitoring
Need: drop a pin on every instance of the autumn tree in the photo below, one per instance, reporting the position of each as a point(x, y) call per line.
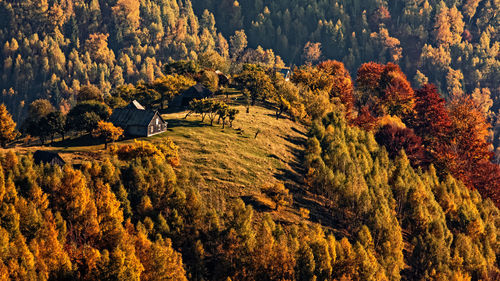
point(55, 123)
point(468, 138)
point(108, 132)
point(342, 86)
point(210, 80)
point(254, 79)
point(171, 85)
point(368, 77)
point(232, 115)
point(395, 139)
point(8, 130)
point(312, 52)
point(431, 121)
point(238, 43)
point(127, 18)
point(160, 260)
point(223, 112)
point(146, 95)
point(35, 124)
point(396, 92)
point(182, 67)
point(88, 93)
point(286, 99)
point(97, 46)
point(365, 119)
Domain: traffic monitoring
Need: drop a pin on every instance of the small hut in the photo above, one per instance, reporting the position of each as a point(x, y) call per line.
point(181, 102)
point(48, 157)
point(223, 79)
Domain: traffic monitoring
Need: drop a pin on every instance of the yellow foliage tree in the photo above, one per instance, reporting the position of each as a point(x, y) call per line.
point(108, 132)
point(171, 85)
point(8, 130)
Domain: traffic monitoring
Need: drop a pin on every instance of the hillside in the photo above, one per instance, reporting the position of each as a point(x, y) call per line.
point(232, 162)
point(373, 156)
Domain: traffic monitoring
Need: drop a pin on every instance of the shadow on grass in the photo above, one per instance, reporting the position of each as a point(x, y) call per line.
point(81, 141)
point(174, 123)
point(256, 204)
point(282, 116)
point(298, 141)
point(299, 132)
point(84, 141)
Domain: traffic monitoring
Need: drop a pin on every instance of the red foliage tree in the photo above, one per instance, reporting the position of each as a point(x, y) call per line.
point(365, 119)
point(385, 90)
point(394, 139)
point(431, 120)
point(368, 78)
point(468, 139)
point(456, 139)
point(487, 180)
point(396, 91)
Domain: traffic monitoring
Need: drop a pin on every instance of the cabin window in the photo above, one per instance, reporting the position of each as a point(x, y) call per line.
point(151, 129)
point(157, 121)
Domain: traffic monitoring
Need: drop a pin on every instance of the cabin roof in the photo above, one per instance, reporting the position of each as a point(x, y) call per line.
point(135, 105)
point(50, 157)
point(200, 90)
point(133, 114)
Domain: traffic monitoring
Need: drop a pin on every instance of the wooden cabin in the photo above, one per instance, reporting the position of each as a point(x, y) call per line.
point(138, 121)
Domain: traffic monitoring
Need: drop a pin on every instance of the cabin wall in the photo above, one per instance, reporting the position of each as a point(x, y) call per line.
point(156, 126)
point(141, 131)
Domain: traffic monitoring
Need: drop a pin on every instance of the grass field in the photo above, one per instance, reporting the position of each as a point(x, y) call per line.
point(232, 162)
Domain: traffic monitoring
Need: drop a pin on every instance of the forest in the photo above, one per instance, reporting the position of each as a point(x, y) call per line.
point(396, 104)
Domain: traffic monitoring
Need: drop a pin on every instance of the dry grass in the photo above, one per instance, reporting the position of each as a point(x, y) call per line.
point(232, 162)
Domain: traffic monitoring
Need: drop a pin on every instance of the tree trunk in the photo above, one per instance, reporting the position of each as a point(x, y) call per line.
point(105, 145)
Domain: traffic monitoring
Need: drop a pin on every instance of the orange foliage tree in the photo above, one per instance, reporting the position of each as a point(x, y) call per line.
point(329, 76)
point(396, 92)
point(472, 161)
point(342, 86)
point(108, 132)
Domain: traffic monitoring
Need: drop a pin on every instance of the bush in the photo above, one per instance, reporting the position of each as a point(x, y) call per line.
point(279, 194)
